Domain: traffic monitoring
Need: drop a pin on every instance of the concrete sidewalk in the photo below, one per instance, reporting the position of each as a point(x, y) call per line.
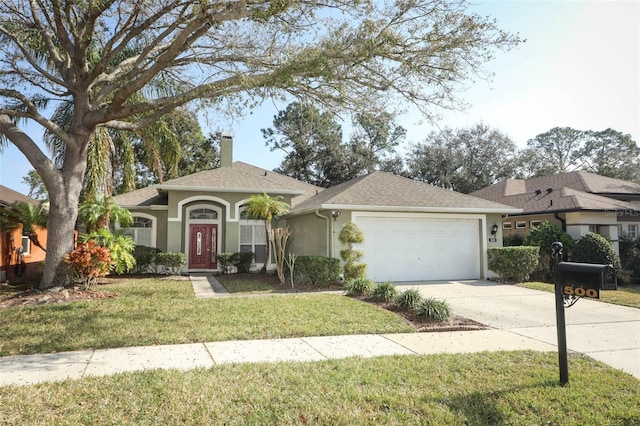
point(521, 319)
point(30, 369)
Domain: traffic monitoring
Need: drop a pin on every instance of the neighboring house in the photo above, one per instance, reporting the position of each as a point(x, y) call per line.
point(11, 239)
point(579, 202)
point(413, 231)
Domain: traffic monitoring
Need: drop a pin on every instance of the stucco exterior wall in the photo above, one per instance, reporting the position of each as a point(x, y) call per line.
point(309, 235)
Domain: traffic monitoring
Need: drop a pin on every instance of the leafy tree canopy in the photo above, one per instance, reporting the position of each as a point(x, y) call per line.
point(124, 64)
point(463, 160)
point(564, 149)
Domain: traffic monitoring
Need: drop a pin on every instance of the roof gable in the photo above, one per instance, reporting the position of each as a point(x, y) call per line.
point(239, 177)
point(8, 196)
point(386, 190)
point(573, 191)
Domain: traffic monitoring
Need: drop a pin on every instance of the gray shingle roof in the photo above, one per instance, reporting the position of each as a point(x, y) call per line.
point(573, 191)
point(8, 196)
point(240, 177)
point(386, 191)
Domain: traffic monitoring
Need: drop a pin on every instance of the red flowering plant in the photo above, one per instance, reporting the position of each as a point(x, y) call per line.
point(89, 261)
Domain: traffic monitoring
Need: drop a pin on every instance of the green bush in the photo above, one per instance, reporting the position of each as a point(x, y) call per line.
point(170, 263)
point(351, 234)
point(409, 298)
point(145, 258)
point(226, 261)
point(321, 271)
point(385, 292)
point(630, 258)
point(351, 256)
point(543, 236)
point(354, 270)
point(359, 287)
point(594, 248)
point(120, 248)
point(243, 261)
point(513, 240)
point(513, 263)
point(437, 310)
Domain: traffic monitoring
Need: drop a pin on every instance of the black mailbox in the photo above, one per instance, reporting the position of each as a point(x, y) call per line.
point(584, 279)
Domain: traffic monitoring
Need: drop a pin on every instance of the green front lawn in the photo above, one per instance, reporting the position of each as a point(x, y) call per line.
point(160, 311)
point(625, 296)
point(502, 388)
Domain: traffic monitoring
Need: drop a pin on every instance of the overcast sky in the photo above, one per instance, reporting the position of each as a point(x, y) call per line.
point(580, 68)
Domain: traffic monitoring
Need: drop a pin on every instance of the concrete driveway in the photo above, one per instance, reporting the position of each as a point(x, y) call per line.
point(605, 332)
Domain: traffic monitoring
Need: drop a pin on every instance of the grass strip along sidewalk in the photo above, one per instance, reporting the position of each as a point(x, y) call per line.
point(519, 388)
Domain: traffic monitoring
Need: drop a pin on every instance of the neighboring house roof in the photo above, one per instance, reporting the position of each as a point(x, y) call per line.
point(239, 177)
point(564, 192)
point(381, 191)
point(8, 196)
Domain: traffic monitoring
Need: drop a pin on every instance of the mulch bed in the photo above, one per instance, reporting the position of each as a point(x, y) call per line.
point(21, 294)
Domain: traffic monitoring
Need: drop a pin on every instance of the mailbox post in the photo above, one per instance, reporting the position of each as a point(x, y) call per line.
point(561, 327)
point(573, 281)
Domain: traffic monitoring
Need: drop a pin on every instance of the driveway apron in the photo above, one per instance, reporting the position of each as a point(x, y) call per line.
point(606, 332)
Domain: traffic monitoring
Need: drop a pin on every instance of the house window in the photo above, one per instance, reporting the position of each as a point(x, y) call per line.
point(506, 225)
point(253, 237)
point(534, 224)
point(632, 231)
point(521, 224)
point(203, 213)
point(26, 245)
point(142, 231)
point(595, 229)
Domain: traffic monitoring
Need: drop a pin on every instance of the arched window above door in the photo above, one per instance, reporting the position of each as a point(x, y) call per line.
point(203, 213)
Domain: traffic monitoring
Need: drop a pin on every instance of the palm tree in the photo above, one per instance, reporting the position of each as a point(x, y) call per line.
point(266, 208)
point(29, 216)
point(97, 215)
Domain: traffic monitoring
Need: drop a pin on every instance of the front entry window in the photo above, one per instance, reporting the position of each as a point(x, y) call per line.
point(203, 213)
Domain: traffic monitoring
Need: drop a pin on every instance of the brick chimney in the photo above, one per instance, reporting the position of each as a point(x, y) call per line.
point(226, 149)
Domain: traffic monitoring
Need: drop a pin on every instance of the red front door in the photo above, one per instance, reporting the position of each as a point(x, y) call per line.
point(202, 246)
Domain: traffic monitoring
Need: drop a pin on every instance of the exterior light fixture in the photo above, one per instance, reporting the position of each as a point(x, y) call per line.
point(494, 229)
point(335, 214)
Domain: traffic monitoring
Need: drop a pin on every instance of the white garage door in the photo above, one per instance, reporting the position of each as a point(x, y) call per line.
point(418, 248)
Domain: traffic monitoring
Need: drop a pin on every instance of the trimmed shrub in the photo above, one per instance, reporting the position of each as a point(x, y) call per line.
point(437, 310)
point(170, 263)
point(321, 271)
point(594, 248)
point(351, 256)
point(226, 261)
point(385, 292)
point(354, 270)
point(243, 261)
point(513, 240)
point(359, 287)
point(513, 263)
point(630, 258)
point(351, 234)
point(145, 258)
point(409, 299)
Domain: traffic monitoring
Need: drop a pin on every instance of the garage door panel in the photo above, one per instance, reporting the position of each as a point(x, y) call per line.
point(410, 248)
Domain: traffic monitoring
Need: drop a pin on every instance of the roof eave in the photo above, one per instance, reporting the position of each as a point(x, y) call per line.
point(408, 209)
point(229, 190)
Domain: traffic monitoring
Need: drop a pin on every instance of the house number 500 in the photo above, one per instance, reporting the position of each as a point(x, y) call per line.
point(579, 291)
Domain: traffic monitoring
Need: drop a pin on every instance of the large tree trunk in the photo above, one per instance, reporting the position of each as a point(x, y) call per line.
point(64, 196)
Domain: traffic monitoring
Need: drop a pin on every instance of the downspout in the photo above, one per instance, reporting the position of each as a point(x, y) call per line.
point(328, 231)
point(564, 222)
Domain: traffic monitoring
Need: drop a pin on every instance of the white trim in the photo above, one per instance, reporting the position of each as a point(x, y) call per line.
point(407, 209)
point(201, 198)
point(154, 225)
point(229, 190)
